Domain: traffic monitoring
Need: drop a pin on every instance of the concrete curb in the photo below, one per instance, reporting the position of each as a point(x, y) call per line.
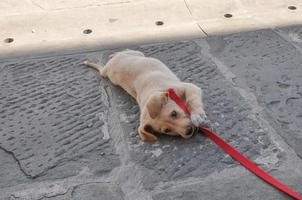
point(38, 26)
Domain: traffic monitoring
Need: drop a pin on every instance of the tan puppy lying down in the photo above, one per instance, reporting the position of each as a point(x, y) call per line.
point(146, 79)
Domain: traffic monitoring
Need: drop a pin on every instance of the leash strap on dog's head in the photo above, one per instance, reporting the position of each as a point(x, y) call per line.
point(178, 100)
point(235, 154)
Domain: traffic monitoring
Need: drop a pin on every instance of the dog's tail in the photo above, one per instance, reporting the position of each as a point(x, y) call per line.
point(94, 65)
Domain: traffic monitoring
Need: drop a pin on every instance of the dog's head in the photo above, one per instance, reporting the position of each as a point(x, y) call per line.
point(164, 116)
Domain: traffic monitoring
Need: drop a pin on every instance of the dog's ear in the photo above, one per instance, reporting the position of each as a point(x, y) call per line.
point(145, 133)
point(155, 103)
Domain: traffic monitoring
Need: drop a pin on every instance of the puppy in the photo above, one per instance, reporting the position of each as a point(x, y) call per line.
point(146, 80)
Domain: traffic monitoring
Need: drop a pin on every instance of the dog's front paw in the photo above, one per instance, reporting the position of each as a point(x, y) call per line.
point(199, 119)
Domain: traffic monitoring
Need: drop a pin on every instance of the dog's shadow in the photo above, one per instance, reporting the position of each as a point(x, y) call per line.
point(163, 138)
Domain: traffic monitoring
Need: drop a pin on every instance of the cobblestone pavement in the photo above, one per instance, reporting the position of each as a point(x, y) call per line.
point(65, 133)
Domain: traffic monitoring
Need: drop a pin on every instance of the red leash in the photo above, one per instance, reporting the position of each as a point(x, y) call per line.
point(235, 154)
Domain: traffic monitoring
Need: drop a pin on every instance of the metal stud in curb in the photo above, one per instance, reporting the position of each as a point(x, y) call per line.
point(8, 40)
point(159, 23)
point(228, 15)
point(87, 31)
point(292, 7)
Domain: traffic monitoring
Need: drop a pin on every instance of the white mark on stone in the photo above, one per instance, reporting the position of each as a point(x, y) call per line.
point(295, 37)
point(157, 152)
point(105, 131)
point(137, 145)
point(89, 125)
point(85, 171)
point(268, 158)
point(124, 118)
point(155, 145)
point(103, 116)
point(40, 192)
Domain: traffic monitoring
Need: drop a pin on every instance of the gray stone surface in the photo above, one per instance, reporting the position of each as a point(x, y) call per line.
point(293, 35)
point(51, 113)
point(67, 134)
point(271, 68)
point(227, 187)
point(10, 172)
point(95, 192)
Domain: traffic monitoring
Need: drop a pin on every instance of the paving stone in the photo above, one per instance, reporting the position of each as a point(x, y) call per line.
point(10, 173)
point(58, 117)
point(293, 34)
point(90, 191)
point(175, 158)
point(270, 67)
point(96, 192)
point(231, 188)
point(52, 112)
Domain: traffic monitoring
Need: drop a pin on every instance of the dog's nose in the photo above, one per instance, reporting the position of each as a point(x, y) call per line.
point(189, 130)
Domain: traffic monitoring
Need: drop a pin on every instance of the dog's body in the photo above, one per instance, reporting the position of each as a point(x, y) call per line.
point(146, 80)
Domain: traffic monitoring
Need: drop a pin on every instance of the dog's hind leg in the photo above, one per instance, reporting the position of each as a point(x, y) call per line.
point(100, 68)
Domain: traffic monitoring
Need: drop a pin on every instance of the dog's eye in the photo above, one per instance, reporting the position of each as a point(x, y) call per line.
point(173, 114)
point(167, 130)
